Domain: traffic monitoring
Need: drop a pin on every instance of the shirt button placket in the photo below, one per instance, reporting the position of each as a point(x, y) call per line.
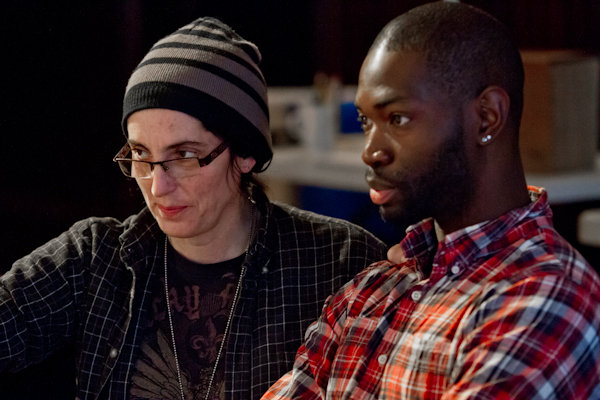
point(113, 353)
point(416, 295)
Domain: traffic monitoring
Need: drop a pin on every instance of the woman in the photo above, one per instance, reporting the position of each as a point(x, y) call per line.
point(206, 293)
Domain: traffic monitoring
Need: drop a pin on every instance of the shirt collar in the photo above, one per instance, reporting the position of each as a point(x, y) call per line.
point(462, 247)
point(141, 236)
point(259, 253)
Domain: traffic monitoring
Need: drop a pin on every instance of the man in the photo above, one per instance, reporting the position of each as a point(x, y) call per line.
point(207, 292)
point(495, 304)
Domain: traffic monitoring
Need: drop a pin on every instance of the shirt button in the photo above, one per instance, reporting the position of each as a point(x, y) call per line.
point(382, 359)
point(416, 296)
point(265, 270)
point(455, 269)
point(113, 353)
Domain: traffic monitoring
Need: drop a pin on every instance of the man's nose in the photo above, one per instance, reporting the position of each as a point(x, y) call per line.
point(376, 152)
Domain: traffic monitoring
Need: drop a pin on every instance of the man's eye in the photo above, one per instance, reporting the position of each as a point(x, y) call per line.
point(365, 122)
point(399, 120)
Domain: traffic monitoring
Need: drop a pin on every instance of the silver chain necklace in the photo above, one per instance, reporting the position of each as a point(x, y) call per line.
point(235, 298)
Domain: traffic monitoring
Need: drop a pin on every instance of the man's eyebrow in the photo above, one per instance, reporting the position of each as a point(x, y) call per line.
point(386, 102)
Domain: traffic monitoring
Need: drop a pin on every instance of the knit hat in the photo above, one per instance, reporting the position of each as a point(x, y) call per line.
point(208, 71)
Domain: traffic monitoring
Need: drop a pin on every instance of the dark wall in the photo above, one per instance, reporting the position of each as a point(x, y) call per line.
point(65, 65)
point(346, 28)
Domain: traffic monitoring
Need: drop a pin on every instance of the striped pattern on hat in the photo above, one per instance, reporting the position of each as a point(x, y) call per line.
point(208, 71)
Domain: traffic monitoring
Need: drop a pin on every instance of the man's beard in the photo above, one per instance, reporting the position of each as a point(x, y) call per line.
point(445, 188)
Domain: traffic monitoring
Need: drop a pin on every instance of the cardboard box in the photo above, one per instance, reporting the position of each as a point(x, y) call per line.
point(559, 128)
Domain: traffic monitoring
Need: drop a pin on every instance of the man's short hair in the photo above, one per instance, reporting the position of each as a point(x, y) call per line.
point(466, 50)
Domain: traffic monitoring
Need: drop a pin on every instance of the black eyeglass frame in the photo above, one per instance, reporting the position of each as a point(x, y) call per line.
point(202, 162)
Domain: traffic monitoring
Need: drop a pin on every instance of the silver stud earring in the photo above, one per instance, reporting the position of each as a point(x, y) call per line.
point(485, 139)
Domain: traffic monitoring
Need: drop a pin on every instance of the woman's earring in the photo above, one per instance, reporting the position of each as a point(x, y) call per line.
point(486, 138)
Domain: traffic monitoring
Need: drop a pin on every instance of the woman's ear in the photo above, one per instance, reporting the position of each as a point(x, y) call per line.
point(245, 164)
point(492, 107)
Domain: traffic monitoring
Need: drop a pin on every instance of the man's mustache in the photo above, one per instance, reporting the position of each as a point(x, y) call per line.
point(376, 179)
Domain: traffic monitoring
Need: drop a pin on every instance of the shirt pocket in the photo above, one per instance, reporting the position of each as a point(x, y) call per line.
point(421, 365)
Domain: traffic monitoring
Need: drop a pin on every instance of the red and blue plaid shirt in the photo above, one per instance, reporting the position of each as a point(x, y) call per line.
point(510, 311)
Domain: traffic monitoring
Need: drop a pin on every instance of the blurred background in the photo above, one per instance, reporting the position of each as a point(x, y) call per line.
point(65, 67)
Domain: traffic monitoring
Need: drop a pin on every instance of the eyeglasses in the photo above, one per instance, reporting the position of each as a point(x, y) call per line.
point(176, 167)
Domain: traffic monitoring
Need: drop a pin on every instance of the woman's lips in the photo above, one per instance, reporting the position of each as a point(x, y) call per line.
point(381, 197)
point(170, 211)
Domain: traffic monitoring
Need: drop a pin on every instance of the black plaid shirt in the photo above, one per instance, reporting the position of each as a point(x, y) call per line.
point(91, 285)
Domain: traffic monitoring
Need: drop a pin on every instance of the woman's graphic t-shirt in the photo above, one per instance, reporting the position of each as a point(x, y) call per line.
point(201, 297)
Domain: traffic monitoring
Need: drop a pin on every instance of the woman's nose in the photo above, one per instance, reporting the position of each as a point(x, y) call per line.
point(162, 182)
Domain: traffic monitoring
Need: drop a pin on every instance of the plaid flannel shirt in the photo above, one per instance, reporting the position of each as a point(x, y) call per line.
point(91, 286)
point(510, 311)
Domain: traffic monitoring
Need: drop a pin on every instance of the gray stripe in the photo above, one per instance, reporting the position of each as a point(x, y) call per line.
point(208, 83)
point(191, 39)
point(223, 63)
point(239, 40)
point(207, 28)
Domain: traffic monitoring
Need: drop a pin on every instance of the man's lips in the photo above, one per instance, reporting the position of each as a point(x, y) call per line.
point(381, 191)
point(381, 197)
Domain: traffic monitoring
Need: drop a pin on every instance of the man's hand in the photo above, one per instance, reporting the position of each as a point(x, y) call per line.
point(396, 255)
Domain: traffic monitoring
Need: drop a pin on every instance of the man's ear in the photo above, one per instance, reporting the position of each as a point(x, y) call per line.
point(492, 107)
point(245, 164)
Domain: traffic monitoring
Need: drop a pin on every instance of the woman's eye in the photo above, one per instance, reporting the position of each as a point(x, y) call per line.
point(186, 154)
point(399, 120)
point(138, 154)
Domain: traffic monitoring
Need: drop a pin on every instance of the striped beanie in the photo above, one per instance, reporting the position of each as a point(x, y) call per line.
point(208, 71)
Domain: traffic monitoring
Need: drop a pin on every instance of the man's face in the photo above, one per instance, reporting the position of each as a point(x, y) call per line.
point(418, 166)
